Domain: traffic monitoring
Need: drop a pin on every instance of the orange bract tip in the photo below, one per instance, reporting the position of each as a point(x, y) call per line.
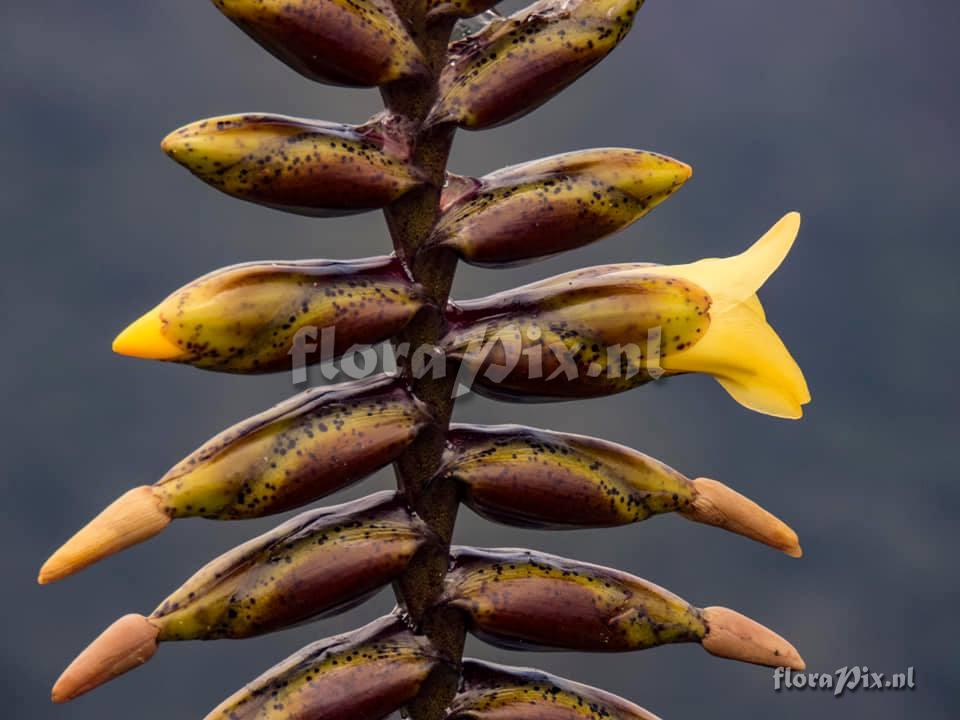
point(129, 520)
point(144, 338)
point(716, 504)
point(128, 643)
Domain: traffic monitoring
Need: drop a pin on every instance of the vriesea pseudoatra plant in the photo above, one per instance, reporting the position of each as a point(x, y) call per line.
point(586, 333)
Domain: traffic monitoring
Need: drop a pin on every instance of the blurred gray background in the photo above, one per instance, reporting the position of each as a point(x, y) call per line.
point(846, 111)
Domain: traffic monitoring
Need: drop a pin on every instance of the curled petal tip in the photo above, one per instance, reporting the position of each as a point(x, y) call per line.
point(716, 504)
point(144, 338)
point(128, 643)
point(131, 519)
point(735, 636)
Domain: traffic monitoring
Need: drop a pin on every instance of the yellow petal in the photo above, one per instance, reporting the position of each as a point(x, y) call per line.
point(749, 360)
point(144, 338)
point(734, 280)
point(740, 350)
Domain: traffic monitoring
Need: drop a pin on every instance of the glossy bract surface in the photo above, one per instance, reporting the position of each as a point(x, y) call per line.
point(362, 675)
point(339, 42)
point(303, 449)
point(525, 476)
point(498, 692)
point(516, 64)
point(308, 167)
point(582, 334)
point(548, 206)
point(318, 563)
point(249, 318)
point(527, 600)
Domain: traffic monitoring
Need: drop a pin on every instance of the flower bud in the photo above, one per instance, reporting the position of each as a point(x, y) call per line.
point(306, 167)
point(496, 692)
point(358, 43)
point(264, 317)
point(527, 600)
point(530, 600)
point(298, 451)
point(559, 203)
point(303, 449)
point(536, 478)
point(607, 329)
point(363, 675)
point(516, 64)
point(319, 563)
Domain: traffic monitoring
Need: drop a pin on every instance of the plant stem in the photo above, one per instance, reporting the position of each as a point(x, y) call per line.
point(410, 221)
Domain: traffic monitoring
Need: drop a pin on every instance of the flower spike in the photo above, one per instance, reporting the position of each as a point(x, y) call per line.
point(439, 65)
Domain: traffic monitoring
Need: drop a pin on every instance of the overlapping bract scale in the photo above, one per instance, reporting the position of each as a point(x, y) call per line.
point(308, 167)
point(248, 318)
point(340, 42)
point(537, 478)
point(320, 562)
point(497, 692)
point(554, 204)
point(523, 599)
point(516, 64)
point(363, 675)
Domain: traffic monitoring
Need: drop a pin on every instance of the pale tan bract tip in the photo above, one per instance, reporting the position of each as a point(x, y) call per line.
point(735, 636)
point(133, 518)
point(716, 504)
point(128, 643)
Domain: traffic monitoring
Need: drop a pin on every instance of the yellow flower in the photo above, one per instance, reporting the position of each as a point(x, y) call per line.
point(607, 329)
point(740, 349)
